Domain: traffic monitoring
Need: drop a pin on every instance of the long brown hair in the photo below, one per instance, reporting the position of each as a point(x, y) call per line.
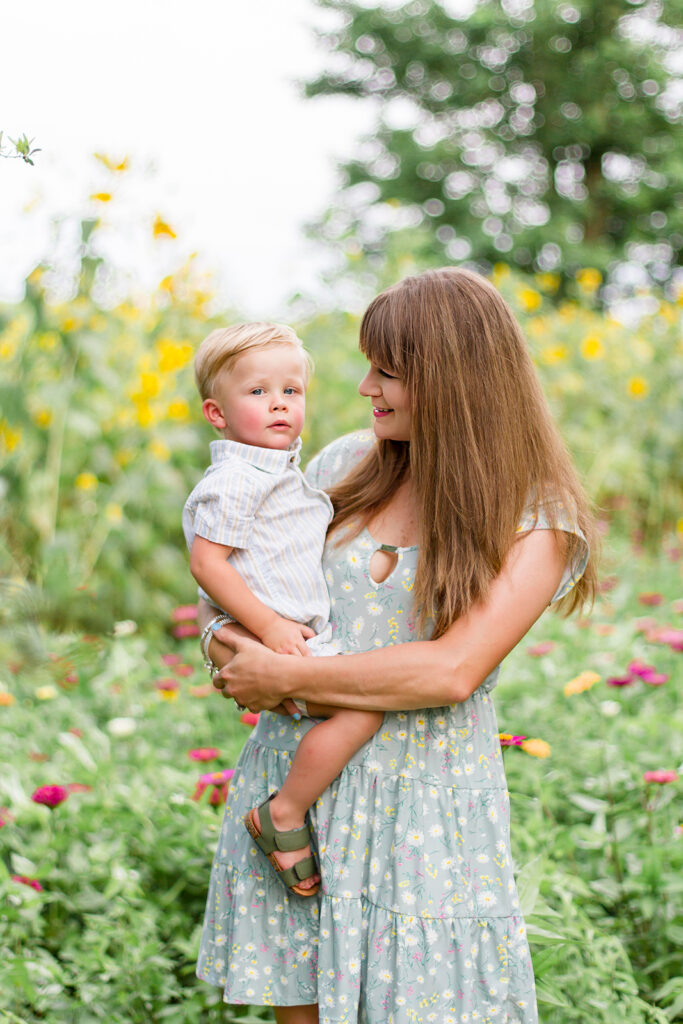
point(483, 444)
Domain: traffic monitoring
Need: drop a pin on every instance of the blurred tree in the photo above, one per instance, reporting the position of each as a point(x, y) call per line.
point(537, 131)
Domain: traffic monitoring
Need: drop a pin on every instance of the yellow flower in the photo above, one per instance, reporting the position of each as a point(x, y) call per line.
point(161, 229)
point(7, 349)
point(159, 450)
point(102, 197)
point(500, 272)
point(6, 699)
point(589, 279)
point(86, 482)
point(172, 355)
point(178, 409)
point(580, 683)
point(549, 282)
point(144, 414)
point(123, 456)
point(48, 340)
point(536, 747)
point(150, 385)
point(554, 354)
point(42, 418)
point(46, 692)
point(592, 347)
point(638, 387)
point(112, 165)
point(9, 437)
point(530, 299)
point(113, 513)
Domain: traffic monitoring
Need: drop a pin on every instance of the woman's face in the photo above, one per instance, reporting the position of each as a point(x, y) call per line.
point(390, 404)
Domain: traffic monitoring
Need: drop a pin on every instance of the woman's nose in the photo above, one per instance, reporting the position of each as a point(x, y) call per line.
point(368, 386)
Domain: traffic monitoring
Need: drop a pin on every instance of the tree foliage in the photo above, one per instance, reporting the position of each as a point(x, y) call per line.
point(538, 131)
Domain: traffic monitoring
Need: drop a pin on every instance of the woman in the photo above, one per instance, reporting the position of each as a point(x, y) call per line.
point(460, 521)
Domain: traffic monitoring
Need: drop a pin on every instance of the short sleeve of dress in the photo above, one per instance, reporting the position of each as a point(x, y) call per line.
point(335, 460)
point(539, 518)
point(223, 505)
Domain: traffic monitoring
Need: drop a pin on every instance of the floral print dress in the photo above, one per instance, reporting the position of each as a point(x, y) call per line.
point(418, 917)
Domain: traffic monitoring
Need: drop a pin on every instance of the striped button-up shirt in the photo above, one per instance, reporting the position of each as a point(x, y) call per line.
point(257, 501)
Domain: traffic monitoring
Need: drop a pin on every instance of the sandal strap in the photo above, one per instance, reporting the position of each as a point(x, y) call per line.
point(299, 872)
point(276, 839)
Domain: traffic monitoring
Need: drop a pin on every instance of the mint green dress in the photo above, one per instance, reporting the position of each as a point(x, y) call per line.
point(418, 917)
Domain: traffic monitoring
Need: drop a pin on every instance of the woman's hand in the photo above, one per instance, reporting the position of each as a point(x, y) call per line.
point(251, 678)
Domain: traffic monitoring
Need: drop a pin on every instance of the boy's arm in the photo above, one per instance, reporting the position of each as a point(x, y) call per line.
point(227, 590)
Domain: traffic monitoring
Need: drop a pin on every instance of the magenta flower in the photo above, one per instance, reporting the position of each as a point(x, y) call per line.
point(637, 668)
point(652, 599)
point(183, 670)
point(204, 754)
point(219, 781)
point(672, 637)
point(661, 776)
point(249, 718)
point(654, 678)
point(508, 740)
point(185, 629)
point(50, 796)
point(627, 680)
point(170, 659)
point(184, 613)
point(538, 650)
point(33, 882)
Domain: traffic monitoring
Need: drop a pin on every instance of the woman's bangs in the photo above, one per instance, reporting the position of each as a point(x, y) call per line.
point(380, 343)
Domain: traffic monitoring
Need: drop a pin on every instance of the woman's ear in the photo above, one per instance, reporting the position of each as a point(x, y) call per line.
point(213, 414)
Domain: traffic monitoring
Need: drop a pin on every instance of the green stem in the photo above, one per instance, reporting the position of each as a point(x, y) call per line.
point(53, 460)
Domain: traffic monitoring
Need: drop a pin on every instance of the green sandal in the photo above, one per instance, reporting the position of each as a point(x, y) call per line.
point(269, 839)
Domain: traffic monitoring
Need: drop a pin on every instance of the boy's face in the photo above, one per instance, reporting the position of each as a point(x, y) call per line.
point(262, 400)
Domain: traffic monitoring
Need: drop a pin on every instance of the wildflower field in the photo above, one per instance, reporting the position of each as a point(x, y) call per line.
point(117, 754)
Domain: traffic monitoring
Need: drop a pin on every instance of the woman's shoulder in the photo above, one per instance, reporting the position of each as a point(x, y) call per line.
point(550, 513)
point(335, 460)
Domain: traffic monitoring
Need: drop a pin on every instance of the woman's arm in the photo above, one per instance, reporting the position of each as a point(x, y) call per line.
point(420, 674)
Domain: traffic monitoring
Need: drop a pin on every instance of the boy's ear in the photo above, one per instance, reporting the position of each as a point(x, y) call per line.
point(213, 414)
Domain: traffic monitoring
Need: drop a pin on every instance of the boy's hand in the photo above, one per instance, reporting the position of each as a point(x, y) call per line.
point(287, 637)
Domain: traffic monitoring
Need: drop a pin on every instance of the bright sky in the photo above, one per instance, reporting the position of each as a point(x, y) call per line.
point(202, 98)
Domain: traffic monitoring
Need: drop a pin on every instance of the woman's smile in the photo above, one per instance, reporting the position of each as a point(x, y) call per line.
point(390, 402)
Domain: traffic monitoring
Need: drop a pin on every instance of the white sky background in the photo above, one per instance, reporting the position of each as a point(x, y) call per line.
point(202, 98)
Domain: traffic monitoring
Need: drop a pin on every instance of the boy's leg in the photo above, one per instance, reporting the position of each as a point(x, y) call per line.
point(320, 757)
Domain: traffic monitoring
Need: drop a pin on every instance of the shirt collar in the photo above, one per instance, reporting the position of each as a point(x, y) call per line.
point(270, 460)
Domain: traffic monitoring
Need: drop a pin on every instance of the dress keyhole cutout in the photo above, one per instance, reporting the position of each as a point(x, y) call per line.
point(383, 562)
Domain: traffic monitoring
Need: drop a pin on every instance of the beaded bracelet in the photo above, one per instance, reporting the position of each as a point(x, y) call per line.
point(205, 640)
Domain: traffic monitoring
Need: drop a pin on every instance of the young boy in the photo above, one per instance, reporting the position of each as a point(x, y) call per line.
point(256, 530)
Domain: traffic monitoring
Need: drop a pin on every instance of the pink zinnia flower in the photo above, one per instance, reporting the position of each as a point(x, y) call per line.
point(170, 659)
point(185, 629)
point(637, 668)
point(51, 796)
point(508, 740)
point(33, 882)
point(672, 637)
point(654, 678)
point(167, 688)
point(609, 583)
point(183, 670)
point(204, 754)
point(249, 718)
point(205, 690)
point(545, 647)
point(184, 613)
point(651, 598)
point(627, 680)
point(220, 782)
point(661, 776)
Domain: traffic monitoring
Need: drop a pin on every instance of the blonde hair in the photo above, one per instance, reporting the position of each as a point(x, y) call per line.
point(221, 349)
point(483, 443)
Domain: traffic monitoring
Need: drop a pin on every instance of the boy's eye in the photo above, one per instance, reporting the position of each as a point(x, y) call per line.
point(257, 391)
point(290, 391)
